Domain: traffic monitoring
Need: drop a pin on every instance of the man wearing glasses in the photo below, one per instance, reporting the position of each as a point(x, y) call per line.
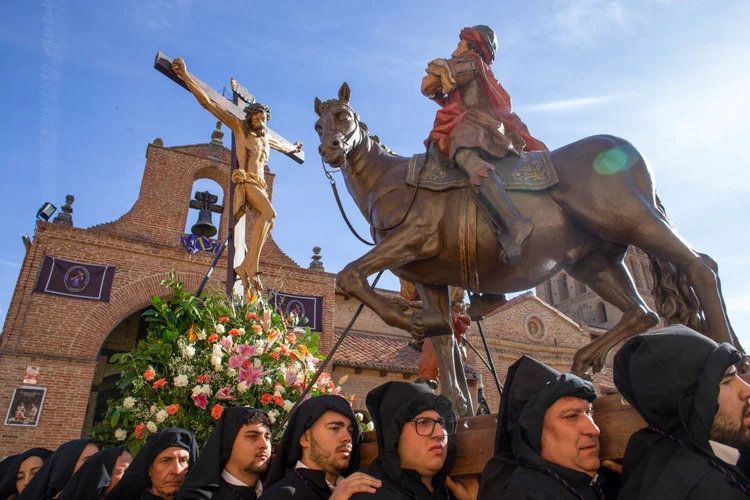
point(416, 443)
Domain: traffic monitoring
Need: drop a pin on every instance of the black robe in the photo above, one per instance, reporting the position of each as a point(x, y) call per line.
point(57, 470)
point(672, 377)
point(10, 466)
point(136, 482)
point(284, 480)
point(204, 480)
point(93, 477)
point(391, 405)
point(518, 471)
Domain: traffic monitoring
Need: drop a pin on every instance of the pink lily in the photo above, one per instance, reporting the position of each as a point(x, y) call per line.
point(225, 393)
point(251, 375)
point(200, 400)
point(247, 350)
point(226, 343)
point(235, 361)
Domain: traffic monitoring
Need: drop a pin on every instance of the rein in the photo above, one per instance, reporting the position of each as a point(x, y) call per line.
point(341, 206)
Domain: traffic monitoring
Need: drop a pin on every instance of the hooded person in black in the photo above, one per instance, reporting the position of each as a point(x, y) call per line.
point(518, 471)
point(10, 467)
point(57, 470)
point(290, 476)
point(676, 378)
point(91, 481)
point(136, 482)
point(241, 441)
point(393, 406)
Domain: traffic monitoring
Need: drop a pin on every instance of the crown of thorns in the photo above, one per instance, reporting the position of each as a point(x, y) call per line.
point(257, 107)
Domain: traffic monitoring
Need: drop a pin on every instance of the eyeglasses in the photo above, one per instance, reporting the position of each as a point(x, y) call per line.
point(426, 426)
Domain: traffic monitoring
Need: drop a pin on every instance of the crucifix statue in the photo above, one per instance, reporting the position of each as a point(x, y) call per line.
point(253, 141)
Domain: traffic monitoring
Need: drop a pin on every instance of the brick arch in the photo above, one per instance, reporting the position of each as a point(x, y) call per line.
point(219, 173)
point(103, 318)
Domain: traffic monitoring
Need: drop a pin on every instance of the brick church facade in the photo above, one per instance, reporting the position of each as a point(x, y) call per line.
point(70, 339)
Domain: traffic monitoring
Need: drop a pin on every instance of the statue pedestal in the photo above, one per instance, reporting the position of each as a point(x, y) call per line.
point(616, 419)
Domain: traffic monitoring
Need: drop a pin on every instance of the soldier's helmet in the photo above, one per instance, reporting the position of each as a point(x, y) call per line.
point(489, 37)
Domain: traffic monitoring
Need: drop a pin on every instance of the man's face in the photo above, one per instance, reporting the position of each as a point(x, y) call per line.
point(121, 465)
point(251, 450)
point(570, 438)
point(167, 471)
point(424, 454)
point(327, 444)
point(731, 424)
point(463, 47)
point(88, 450)
point(258, 121)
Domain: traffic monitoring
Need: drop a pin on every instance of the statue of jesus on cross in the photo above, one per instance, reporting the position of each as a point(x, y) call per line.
point(253, 145)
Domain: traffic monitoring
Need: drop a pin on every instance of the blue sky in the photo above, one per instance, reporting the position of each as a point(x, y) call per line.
point(82, 100)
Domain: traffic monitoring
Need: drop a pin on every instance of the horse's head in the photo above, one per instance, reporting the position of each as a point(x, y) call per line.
point(338, 127)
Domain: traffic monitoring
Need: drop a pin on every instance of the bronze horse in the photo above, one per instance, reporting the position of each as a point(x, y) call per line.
point(604, 202)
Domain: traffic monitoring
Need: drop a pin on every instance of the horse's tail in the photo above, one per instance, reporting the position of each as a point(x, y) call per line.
point(674, 298)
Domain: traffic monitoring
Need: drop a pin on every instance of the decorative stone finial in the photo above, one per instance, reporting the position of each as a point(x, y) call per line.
point(65, 217)
point(316, 264)
point(217, 136)
point(158, 142)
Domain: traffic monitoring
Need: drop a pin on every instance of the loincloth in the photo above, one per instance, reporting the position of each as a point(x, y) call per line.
point(240, 177)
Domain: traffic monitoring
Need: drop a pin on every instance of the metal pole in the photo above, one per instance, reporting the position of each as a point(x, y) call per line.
point(489, 358)
point(216, 261)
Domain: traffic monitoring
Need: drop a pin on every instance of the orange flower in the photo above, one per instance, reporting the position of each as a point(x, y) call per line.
point(216, 411)
point(203, 379)
point(149, 374)
point(278, 400)
point(266, 398)
point(191, 334)
point(293, 356)
point(284, 350)
point(324, 379)
point(159, 383)
point(172, 409)
point(291, 338)
point(140, 430)
point(252, 316)
point(213, 338)
point(275, 355)
point(257, 328)
point(273, 335)
point(223, 319)
point(234, 332)
point(303, 350)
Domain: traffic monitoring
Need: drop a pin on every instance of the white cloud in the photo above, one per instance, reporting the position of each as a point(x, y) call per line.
point(7, 263)
point(582, 22)
point(571, 104)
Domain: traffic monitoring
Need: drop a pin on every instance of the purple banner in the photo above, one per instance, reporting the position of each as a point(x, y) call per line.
point(75, 279)
point(194, 243)
point(304, 306)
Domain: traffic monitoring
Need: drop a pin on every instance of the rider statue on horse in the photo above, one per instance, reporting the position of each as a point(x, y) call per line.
point(475, 123)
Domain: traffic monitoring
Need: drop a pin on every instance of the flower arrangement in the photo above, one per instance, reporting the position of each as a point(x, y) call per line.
point(202, 355)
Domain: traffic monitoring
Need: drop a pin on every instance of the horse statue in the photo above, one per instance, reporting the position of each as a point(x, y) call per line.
point(603, 202)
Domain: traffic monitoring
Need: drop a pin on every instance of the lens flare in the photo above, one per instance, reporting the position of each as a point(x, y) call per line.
point(615, 160)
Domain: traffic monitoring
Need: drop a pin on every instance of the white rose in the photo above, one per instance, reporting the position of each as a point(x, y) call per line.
point(277, 394)
point(279, 388)
point(241, 387)
point(359, 416)
point(201, 335)
point(216, 360)
point(259, 343)
point(196, 390)
point(151, 427)
point(219, 329)
point(288, 405)
point(256, 363)
point(120, 435)
point(189, 352)
point(161, 416)
point(277, 349)
point(275, 413)
point(271, 418)
point(216, 350)
point(128, 402)
point(231, 372)
point(371, 426)
point(242, 331)
point(153, 409)
point(218, 368)
point(181, 381)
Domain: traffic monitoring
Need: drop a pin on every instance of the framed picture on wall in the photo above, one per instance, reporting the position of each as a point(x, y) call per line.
point(26, 406)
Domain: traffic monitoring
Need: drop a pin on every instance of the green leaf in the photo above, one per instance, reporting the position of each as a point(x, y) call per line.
point(115, 418)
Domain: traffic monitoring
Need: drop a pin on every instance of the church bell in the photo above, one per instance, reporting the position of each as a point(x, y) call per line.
point(205, 203)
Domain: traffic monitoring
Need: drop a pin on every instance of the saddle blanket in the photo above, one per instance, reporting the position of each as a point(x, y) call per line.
point(532, 171)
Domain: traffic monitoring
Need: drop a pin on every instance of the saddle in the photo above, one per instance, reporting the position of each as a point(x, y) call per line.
point(532, 171)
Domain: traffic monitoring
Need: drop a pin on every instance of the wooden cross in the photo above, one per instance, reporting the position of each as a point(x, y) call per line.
point(163, 64)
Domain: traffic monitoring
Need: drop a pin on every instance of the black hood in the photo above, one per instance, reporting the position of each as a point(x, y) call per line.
point(289, 450)
point(10, 466)
point(391, 406)
point(93, 477)
point(136, 479)
point(56, 473)
point(672, 377)
point(204, 478)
